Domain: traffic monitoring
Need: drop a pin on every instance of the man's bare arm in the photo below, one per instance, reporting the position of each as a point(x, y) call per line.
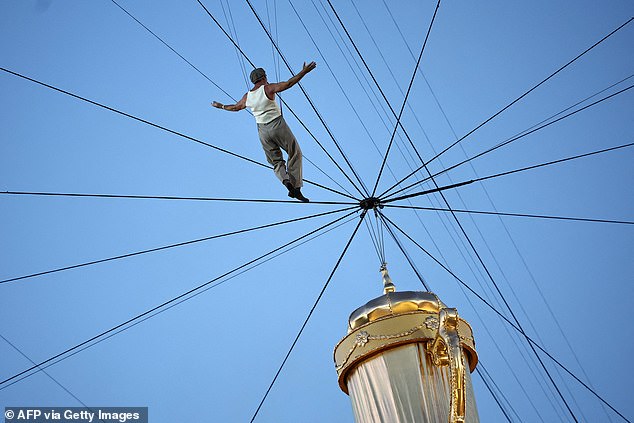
point(240, 105)
point(278, 87)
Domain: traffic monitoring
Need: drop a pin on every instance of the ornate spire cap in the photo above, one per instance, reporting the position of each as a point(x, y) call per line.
point(394, 303)
point(388, 286)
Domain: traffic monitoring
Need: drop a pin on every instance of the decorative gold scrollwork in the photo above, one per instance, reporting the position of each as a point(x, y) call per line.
point(445, 350)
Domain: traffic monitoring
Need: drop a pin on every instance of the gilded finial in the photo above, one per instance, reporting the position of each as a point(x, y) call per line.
point(388, 286)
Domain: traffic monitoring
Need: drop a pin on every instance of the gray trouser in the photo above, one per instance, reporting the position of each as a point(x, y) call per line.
point(274, 136)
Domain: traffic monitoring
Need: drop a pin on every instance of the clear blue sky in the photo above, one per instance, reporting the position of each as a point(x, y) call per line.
point(212, 357)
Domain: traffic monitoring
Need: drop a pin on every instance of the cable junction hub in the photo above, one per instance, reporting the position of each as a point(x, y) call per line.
point(370, 203)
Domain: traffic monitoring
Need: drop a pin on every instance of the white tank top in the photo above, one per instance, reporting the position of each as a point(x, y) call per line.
point(264, 109)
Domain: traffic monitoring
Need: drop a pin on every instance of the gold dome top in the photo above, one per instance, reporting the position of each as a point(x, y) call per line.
point(392, 304)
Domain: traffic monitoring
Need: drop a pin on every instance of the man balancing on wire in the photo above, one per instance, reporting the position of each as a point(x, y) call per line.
point(273, 131)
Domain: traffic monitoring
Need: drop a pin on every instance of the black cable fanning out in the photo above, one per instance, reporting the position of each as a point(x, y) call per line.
point(508, 141)
point(166, 247)
point(484, 188)
point(46, 373)
point(310, 101)
point(533, 216)
point(545, 369)
point(182, 300)
point(376, 83)
point(281, 99)
point(405, 132)
point(163, 128)
point(284, 250)
point(231, 25)
point(353, 107)
point(465, 234)
point(247, 200)
point(374, 239)
point(400, 113)
point(173, 50)
point(510, 172)
point(514, 101)
point(552, 162)
point(170, 197)
point(386, 221)
point(405, 254)
point(437, 187)
point(310, 313)
point(460, 225)
point(216, 85)
point(380, 235)
point(387, 101)
point(506, 319)
point(341, 88)
point(515, 318)
point(362, 86)
point(29, 371)
point(508, 306)
point(493, 394)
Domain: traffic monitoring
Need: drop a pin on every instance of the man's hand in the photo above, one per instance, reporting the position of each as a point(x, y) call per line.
point(308, 67)
point(278, 87)
point(217, 105)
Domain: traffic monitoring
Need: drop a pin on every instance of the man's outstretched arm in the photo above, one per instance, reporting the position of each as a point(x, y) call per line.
point(232, 107)
point(278, 87)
